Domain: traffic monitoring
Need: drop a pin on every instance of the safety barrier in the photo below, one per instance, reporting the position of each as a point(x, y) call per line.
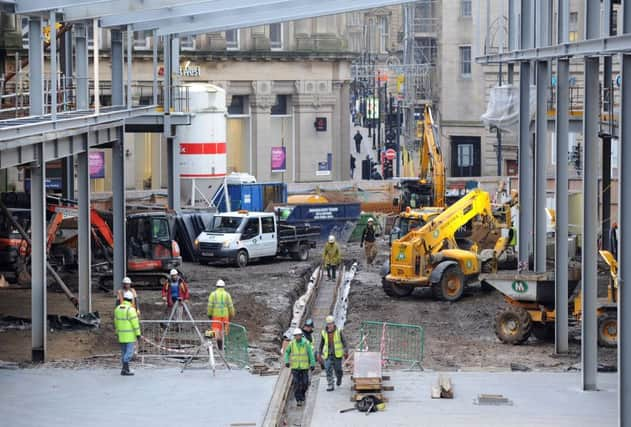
point(187, 339)
point(395, 341)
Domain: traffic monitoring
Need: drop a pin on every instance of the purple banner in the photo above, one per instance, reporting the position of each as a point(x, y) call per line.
point(279, 159)
point(96, 164)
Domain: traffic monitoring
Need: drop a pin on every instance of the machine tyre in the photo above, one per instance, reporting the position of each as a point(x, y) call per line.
point(451, 285)
point(513, 325)
point(242, 258)
point(608, 330)
point(396, 291)
point(302, 254)
point(543, 331)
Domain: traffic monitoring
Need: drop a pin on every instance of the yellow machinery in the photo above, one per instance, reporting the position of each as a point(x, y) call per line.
point(530, 308)
point(429, 189)
point(429, 256)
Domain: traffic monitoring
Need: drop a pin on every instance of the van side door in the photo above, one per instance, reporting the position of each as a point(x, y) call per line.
point(268, 236)
point(251, 237)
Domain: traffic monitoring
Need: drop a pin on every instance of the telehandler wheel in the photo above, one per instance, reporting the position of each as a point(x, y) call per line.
point(451, 285)
point(543, 331)
point(513, 325)
point(396, 291)
point(607, 330)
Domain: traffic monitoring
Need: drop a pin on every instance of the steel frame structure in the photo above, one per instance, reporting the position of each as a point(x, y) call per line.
point(536, 49)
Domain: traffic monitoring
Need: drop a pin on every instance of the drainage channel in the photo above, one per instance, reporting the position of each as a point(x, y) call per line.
point(321, 299)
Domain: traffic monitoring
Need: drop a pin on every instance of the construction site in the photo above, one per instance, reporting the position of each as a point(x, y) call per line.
point(340, 213)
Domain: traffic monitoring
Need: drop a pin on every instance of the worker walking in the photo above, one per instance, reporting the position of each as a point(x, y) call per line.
point(220, 311)
point(331, 257)
point(358, 141)
point(332, 351)
point(307, 330)
point(299, 357)
point(368, 239)
point(127, 329)
point(127, 287)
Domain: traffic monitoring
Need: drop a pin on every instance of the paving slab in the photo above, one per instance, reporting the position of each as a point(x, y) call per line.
point(154, 397)
point(537, 399)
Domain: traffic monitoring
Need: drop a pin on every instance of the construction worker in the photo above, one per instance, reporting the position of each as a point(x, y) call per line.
point(331, 257)
point(307, 330)
point(299, 357)
point(368, 239)
point(175, 289)
point(220, 311)
point(332, 351)
point(127, 329)
point(127, 287)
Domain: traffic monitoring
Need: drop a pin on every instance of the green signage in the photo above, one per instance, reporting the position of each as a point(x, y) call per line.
point(520, 286)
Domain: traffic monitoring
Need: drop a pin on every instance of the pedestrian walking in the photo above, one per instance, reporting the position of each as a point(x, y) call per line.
point(220, 311)
point(127, 287)
point(368, 240)
point(358, 142)
point(299, 357)
point(332, 351)
point(353, 166)
point(127, 329)
point(331, 257)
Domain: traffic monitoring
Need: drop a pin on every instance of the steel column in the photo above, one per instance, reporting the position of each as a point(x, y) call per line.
point(606, 135)
point(84, 230)
point(563, 19)
point(166, 43)
point(525, 230)
point(118, 208)
point(154, 57)
point(130, 41)
point(527, 34)
point(117, 68)
point(624, 243)
point(68, 177)
point(38, 257)
point(561, 207)
point(52, 22)
point(81, 50)
point(173, 173)
point(590, 224)
point(95, 58)
point(541, 145)
point(591, 14)
point(36, 66)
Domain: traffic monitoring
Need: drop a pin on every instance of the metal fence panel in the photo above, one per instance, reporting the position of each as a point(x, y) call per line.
point(395, 341)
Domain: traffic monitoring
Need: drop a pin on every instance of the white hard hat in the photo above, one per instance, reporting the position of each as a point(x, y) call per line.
point(220, 284)
point(331, 239)
point(370, 219)
point(128, 295)
point(297, 331)
point(126, 281)
point(330, 319)
point(173, 272)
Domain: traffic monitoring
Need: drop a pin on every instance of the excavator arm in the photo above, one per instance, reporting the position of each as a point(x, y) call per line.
point(432, 164)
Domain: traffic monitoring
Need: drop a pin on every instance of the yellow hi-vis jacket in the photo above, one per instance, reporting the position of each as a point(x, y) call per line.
point(332, 255)
point(299, 354)
point(220, 304)
point(126, 323)
point(337, 343)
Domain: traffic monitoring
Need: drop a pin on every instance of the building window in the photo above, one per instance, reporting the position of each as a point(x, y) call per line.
point(465, 8)
point(280, 107)
point(465, 156)
point(614, 23)
point(276, 36)
point(573, 27)
point(426, 50)
point(384, 34)
point(465, 61)
point(141, 41)
point(238, 105)
point(187, 43)
point(232, 39)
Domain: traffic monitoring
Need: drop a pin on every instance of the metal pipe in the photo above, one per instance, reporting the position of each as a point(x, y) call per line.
point(36, 66)
point(590, 224)
point(541, 145)
point(52, 22)
point(561, 207)
point(84, 226)
point(526, 201)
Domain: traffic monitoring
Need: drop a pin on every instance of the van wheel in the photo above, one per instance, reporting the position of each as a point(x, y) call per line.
point(242, 258)
point(303, 253)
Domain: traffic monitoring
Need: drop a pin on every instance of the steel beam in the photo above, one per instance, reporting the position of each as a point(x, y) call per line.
point(102, 8)
point(36, 66)
point(117, 67)
point(525, 230)
point(118, 208)
point(52, 22)
point(38, 258)
point(84, 260)
point(541, 146)
point(561, 207)
point(590, 224)
point(30, 6)
point(624, 243)
point(130, 41)
point(83, 79)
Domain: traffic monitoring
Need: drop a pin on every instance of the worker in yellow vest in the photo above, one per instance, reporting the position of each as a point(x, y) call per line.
point(127, 329)
point(299, 357)
point(220, 311)
point(332, 351)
